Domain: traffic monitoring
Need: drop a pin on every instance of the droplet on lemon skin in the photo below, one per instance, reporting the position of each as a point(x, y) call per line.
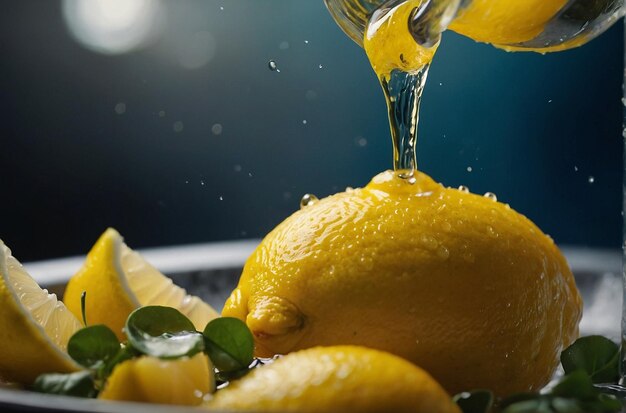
point(457, 259)
point(336, 379)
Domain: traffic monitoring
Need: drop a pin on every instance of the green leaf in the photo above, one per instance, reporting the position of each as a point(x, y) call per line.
point(477, 401)
point(576, 385)
point(561, 405)
point(224, 376)
point(229, 344)
point(163, 332)
point(92, 345)
point(80, 384)
point(610, 402)
point(596, 355)
point(537, 405)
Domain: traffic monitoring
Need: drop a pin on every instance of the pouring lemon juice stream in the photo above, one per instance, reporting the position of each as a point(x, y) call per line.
point(402, 37)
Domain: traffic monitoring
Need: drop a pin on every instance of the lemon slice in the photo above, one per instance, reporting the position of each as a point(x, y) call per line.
point(151, 380)
point(34, 326)
point(118, 280)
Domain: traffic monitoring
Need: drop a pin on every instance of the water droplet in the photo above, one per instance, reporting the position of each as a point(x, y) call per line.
point(273, 66)
point(161, 113)
point(321, 67)
point(491, 196)
point(443, 252)
point(178, 126)
point(575, 169)
point(361, 141)
point(308, 199)
point(304, 121)
point(550, 101)
point(202, 182)
point(120, 108)
point(429, 242)
point(464, 189)
point(469, 169)
point(217, 129)
point(221, 198)
point(306, 42)
point(408, 176)
point(591, 179)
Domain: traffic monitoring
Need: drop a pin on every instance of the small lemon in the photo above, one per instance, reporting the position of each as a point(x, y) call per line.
point(459, 284)
point(34, 326)
point(336, 379)
point(118, 280)
point(182, 381)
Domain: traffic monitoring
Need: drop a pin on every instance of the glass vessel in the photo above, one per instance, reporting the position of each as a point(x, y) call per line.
point(566, 24)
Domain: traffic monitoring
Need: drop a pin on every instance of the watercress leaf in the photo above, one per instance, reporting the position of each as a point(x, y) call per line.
point(596, 355)
point(163, 332)
point(79, 384)
point(229, 344)
point(92, 345)
point(561, 405)
point(609, 402)
point(536, 405)
point(476, 401)
point(224, 376)
point(576, 385)
point(516, 398)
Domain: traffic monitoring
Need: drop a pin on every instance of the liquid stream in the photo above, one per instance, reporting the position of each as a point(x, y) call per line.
point(401, 37)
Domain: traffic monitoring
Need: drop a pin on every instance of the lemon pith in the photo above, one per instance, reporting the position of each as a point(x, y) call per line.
point(337, 379)
point(34, 326)
point(118, 280)
point(459, 284)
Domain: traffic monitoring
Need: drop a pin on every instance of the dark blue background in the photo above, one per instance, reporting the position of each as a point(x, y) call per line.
point(532, 128)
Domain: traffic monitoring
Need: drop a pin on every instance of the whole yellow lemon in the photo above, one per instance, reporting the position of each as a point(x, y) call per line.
point(459, 284)
point(336, 379)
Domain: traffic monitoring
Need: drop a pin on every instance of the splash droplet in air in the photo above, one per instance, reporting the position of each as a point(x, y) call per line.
point(308, 199)
point(273, 66)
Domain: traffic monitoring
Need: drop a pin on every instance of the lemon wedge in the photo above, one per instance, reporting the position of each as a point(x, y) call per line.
point(118, 280)
point(151, 380)
point(34, 325)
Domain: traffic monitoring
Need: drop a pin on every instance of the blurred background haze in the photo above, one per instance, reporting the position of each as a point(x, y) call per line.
point(163, 120)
